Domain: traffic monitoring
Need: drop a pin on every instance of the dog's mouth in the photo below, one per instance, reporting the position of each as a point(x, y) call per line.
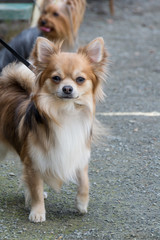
point(67, 97)
point(46, 29)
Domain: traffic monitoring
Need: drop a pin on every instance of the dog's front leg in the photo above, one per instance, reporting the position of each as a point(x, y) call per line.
point(34, 184)
point(82, 198)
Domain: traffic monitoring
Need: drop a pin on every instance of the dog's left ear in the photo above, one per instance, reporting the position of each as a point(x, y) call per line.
point(95, 51)
point(97, 56)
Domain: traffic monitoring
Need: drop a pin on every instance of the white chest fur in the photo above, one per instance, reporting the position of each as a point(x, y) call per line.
point(67, 150)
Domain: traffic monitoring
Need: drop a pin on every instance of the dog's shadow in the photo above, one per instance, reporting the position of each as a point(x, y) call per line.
point(57, 207)
point(12, 205)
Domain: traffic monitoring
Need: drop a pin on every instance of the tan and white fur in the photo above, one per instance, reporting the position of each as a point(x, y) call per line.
point(47, 117)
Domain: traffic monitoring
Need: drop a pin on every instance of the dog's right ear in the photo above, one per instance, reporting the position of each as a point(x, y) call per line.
point(43, 49)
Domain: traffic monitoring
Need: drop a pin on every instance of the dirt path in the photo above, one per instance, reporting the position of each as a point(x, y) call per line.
point(125, 168)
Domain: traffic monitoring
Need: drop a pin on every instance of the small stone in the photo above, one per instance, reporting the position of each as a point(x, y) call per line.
point(136, 130)
point(107, 149)
point(11, 174)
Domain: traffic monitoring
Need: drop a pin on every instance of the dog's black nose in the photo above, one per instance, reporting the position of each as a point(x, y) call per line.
point(43, 22)
point(67, 89)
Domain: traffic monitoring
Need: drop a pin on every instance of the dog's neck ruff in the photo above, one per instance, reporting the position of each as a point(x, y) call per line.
point(66, 150)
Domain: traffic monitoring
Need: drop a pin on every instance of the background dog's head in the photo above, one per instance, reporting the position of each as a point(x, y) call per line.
point(56, 22)
point(60, 20)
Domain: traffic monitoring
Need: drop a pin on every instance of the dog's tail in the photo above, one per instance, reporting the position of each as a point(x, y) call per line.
point(16, 85)
point(18, 76)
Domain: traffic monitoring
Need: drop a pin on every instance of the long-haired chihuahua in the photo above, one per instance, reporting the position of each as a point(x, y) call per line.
point(47, 117)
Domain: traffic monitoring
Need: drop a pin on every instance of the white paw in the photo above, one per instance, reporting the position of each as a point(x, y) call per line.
point(81, 205)
point(36, 216)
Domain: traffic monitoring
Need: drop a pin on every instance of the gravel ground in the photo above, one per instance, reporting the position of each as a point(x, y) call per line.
point(125, 167)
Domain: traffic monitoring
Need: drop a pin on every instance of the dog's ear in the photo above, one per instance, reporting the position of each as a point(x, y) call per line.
point(97, 56)
point(43, 49)
point(95, 51)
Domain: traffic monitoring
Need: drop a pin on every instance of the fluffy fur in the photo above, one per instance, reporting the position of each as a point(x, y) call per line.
point(47, 117)
point(61, 19)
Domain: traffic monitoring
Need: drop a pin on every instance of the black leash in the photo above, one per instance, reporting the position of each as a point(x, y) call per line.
point(20, 58)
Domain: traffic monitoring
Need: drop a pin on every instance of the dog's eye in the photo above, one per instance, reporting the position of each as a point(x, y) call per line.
point(80, 80)
point(56, 79)
point(55, 14)
point(44, 12)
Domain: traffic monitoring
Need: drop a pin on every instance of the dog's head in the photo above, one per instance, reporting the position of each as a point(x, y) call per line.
point(70, 77)
point(56, 22)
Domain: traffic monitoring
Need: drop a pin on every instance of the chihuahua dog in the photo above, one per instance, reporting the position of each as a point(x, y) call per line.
point(47, 117)
point(61, 19)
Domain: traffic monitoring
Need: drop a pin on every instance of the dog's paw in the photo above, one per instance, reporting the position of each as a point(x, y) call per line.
point(36, 216)
point(81, 205)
